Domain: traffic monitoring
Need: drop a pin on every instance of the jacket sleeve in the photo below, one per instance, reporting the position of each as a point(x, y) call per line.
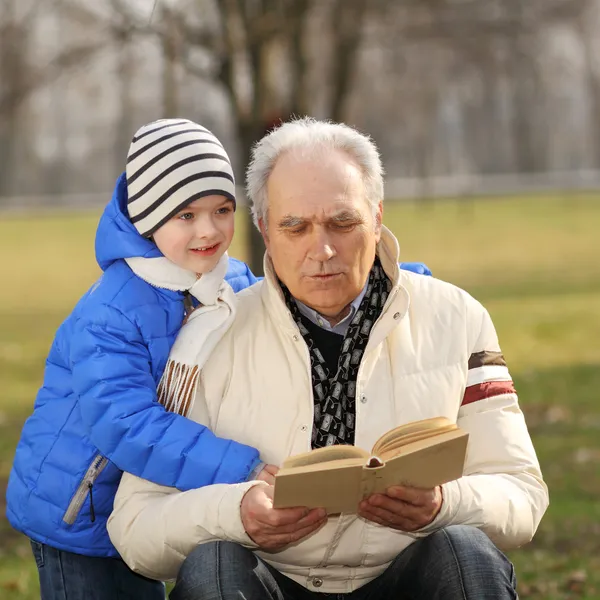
point(111, 367)
point(415, 267)
point(502, 491)
point(239, 276)
point(154, 528)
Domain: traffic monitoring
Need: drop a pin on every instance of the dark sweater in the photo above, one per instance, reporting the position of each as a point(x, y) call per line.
point(329, 343)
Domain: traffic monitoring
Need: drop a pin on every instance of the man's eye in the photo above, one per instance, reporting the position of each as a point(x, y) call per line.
point(343, 226)
point(297, 230)
point(188, 216)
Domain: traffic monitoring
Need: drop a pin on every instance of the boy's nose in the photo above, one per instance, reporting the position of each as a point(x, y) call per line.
point(205, 228)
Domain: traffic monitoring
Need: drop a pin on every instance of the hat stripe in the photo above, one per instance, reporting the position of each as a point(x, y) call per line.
point(174, 211)
point(159, 140)
point(160, 132)
point(174, 167)
point(137, 138)
point(180, 184)
point(132, 178)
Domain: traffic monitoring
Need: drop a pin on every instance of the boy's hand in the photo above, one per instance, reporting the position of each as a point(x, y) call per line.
point(268, 474)
point(274, 528)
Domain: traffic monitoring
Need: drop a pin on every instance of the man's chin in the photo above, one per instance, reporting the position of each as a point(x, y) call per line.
point(325, 302)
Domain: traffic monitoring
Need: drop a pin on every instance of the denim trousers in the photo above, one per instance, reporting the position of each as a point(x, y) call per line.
point(455, 563)
point(68, 576)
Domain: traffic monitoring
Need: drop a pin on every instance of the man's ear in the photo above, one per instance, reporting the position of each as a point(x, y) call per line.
point(264, 232)
point(378, 220)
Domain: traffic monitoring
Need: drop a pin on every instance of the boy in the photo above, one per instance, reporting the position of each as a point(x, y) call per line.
point(170, 221)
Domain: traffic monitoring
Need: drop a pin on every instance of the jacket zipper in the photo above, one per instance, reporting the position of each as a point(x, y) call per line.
point(85, 488)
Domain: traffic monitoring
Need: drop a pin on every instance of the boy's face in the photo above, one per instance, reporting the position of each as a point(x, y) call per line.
point(198, 235)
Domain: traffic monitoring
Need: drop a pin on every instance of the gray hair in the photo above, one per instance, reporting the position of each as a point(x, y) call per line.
point(309, 135)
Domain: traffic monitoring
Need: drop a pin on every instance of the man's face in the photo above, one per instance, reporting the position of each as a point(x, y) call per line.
point(321, 234)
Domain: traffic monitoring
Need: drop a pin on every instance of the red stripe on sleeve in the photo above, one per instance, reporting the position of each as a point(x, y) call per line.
point(488, 389)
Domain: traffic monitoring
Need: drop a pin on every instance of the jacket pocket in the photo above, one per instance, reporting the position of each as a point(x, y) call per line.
point(84, 489)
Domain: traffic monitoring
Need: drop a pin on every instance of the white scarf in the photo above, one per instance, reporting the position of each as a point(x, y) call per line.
point(202, 330)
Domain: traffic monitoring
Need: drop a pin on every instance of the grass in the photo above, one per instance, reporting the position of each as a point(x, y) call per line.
point(532, 261)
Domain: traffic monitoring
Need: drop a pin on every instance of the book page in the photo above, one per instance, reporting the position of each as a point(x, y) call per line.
point(418, 429)
point(423, 464)
point(397, 446)
point(324, 455)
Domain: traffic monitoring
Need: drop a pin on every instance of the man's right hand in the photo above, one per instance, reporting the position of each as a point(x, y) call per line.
point(274, 528)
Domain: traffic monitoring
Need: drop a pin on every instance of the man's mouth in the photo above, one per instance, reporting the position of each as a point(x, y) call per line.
point(325, 276)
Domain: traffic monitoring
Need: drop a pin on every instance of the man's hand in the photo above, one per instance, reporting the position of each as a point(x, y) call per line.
point(403, 508)
point(268, 474)
point(273, 528)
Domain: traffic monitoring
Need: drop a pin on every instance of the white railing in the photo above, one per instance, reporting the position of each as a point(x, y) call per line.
point(457, 186)
point(397, 188)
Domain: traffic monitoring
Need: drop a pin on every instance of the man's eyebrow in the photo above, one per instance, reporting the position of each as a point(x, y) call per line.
point(290, 221)
point(346, 215)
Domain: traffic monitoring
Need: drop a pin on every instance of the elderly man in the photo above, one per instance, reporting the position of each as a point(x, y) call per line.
point(336, 346)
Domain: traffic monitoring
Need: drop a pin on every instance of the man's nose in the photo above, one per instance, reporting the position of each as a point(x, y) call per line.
point(321, 248)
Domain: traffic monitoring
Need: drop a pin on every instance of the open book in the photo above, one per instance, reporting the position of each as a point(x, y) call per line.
point(421, 454)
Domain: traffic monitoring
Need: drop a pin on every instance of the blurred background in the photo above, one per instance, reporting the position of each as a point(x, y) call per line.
point(487, 114)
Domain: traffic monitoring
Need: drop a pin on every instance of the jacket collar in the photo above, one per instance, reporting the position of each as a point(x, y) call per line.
point(388, 251)
point(162, 273)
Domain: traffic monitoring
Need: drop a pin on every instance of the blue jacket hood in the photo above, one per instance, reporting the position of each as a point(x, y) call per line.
point(116, 237)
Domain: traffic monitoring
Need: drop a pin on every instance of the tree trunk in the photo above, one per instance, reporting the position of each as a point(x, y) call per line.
point(248, 134)
point(593, 85)
point(300, 92)
point(125, 123)
point(13, 77)
point(347, 19)
point(170, 47)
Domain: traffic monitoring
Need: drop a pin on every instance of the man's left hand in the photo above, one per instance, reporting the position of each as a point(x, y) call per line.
point(403, 508)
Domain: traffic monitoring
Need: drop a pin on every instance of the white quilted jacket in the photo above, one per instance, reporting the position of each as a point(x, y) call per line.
point(433, 352)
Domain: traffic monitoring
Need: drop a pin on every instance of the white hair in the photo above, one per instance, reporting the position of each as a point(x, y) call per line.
point(309, 136)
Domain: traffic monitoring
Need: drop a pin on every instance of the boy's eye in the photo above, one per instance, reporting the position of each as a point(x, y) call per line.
point(224, 210)
point(187, 216)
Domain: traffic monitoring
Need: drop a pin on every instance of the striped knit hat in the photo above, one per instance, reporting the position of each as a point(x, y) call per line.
point(171, 163)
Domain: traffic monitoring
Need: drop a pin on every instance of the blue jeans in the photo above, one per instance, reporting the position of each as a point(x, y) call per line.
point(456, 563)
point(68, 576)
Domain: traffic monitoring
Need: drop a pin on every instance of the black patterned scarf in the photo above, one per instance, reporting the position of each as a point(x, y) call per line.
point(334, 394)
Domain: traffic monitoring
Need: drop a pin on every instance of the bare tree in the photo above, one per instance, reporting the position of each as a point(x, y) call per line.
point(275, 58)
point(14, 78)
point(347, 22)
point(587, 31)
point(21, 76)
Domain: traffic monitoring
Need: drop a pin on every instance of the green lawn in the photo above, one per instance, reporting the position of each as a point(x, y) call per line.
point(534, 262)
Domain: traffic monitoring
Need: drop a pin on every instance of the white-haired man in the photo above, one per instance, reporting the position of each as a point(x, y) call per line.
point(335, 314)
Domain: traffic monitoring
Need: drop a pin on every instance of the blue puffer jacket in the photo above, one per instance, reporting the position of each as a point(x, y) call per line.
point(97, 413)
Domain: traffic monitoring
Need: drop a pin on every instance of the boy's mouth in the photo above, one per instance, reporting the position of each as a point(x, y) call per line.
point(205, 250)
